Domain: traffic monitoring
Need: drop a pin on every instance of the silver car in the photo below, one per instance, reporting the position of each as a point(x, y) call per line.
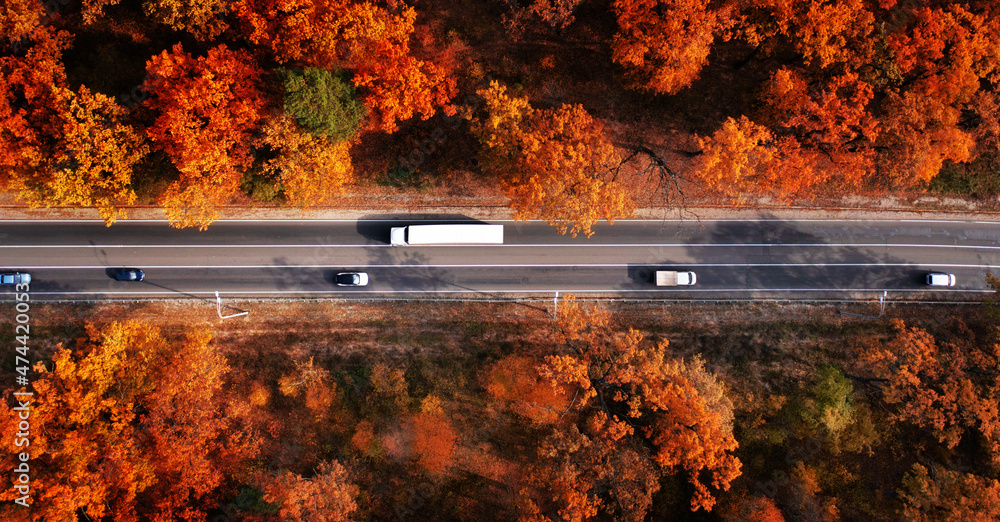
point(16, 278)
point(940, 279)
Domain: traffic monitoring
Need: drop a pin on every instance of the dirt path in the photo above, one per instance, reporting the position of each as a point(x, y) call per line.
point(354, 207)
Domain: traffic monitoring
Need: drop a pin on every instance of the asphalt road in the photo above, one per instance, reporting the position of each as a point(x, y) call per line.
point(733, 259)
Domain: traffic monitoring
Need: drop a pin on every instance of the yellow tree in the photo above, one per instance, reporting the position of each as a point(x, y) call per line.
point(743, 157)
point(554, 164)
point(499, 126)
point(87, 449)
point(565, 176)
point(309, 168)
point(61, 147)
point(732, 155)
point(202, 18)
point(92, 166)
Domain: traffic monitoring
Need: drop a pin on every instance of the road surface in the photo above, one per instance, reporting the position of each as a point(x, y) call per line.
point(734, 259)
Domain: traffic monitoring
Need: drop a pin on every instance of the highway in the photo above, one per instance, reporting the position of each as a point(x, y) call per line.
point(734, 259)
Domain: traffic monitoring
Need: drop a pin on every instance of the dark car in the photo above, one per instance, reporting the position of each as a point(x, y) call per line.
point(351, 279)
point(16, 278)
point(129, 274)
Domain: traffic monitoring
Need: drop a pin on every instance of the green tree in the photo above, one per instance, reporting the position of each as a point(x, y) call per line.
point(830, 409)
point(322, 103)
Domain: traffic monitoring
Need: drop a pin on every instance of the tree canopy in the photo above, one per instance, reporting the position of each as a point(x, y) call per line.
point(322, 103)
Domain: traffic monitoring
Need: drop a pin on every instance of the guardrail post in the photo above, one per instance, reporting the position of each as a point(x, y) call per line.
point(218, 306)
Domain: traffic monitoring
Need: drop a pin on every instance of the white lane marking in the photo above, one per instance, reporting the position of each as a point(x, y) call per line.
point(525, 265)
point(237, 293)
point(558, 245)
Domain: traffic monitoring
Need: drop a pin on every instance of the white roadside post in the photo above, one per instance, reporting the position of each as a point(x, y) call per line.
point(218, 305)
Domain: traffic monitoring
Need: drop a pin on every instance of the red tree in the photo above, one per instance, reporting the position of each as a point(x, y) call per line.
point(207, 110)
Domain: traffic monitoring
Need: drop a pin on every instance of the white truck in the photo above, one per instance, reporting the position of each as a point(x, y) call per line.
point(473, 234)
point(673, 278)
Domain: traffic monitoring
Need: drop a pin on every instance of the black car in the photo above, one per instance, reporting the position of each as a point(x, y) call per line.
point(129, 274)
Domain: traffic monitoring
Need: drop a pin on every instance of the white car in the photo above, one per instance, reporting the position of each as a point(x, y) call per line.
point(351, 279)
point(940, 279)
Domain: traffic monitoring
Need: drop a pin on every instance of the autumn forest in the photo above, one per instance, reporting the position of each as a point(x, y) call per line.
point(421, 411)
point(575, 112)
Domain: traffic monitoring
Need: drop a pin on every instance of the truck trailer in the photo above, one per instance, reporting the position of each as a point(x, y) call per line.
point(446, 235)
point(672, 278)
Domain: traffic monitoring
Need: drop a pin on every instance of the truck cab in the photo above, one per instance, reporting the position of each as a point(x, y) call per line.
point(673, 278)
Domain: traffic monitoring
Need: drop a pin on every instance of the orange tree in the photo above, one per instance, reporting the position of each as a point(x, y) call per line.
point(434, 437)
point(19, 18)
point(328, 496)
point(944, 494)
point(554, 164)
point(207, 110)
point(623, 395)
point(62, 147)
point(949, 387)
point(664, 44)
point(945, 56)
point(745, 157)
point(32, 96)
point(114, 432)
point(369, 40)
point(886, 92)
